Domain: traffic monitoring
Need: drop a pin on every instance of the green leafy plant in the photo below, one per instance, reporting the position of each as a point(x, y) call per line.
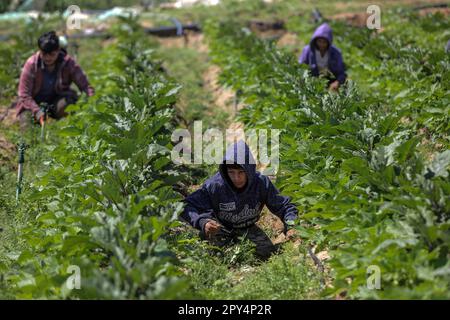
point(106, 198)
point(353, 165)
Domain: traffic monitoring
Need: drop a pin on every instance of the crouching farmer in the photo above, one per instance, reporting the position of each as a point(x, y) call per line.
point(323, 58)
point(46, 78)
point(229, 204)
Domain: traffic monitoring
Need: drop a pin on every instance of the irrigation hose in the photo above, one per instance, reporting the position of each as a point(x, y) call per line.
point(319, 265)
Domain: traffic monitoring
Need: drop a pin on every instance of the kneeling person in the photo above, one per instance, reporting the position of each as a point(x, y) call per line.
point(229, 204)
point(46, 78)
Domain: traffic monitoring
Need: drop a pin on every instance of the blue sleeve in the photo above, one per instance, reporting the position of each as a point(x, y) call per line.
point(198, 208)
point(279, 205)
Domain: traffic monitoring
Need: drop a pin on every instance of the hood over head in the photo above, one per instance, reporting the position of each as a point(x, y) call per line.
point(322, 31)
point(239, 153)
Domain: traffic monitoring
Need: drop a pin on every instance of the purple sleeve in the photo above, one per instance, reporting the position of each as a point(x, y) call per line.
point(304, 56)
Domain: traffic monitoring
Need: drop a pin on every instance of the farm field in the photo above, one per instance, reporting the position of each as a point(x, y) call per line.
point(367, 167)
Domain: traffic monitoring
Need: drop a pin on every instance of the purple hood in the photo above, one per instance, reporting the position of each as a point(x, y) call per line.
point(323, 31)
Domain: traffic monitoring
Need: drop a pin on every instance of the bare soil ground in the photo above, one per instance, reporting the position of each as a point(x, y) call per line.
point(7, 148)
point(7, 153)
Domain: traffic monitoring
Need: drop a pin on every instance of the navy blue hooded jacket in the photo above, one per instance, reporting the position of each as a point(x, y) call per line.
point(217, 199)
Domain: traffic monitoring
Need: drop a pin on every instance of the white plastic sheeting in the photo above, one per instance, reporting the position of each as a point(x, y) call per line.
point(188, 3)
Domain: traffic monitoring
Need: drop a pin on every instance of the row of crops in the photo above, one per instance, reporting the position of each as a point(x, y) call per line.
point(103, 196)
point(368, 167)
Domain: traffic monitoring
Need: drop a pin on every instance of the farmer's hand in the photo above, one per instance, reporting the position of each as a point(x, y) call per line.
point(334, 86)
point(40, 117)
point(211, 228)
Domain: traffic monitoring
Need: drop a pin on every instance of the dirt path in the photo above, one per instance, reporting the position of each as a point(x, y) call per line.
point(7, 148)
point(7, 153)
point(7, 116)
point(224, 99)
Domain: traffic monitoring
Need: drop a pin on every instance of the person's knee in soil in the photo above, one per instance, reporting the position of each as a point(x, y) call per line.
point(264, 246)
point(56, 110)
point(220, 238)
point(223, 237)
point(46, 78)
point(60, 105)
point(232, 201)
point(323, 58)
